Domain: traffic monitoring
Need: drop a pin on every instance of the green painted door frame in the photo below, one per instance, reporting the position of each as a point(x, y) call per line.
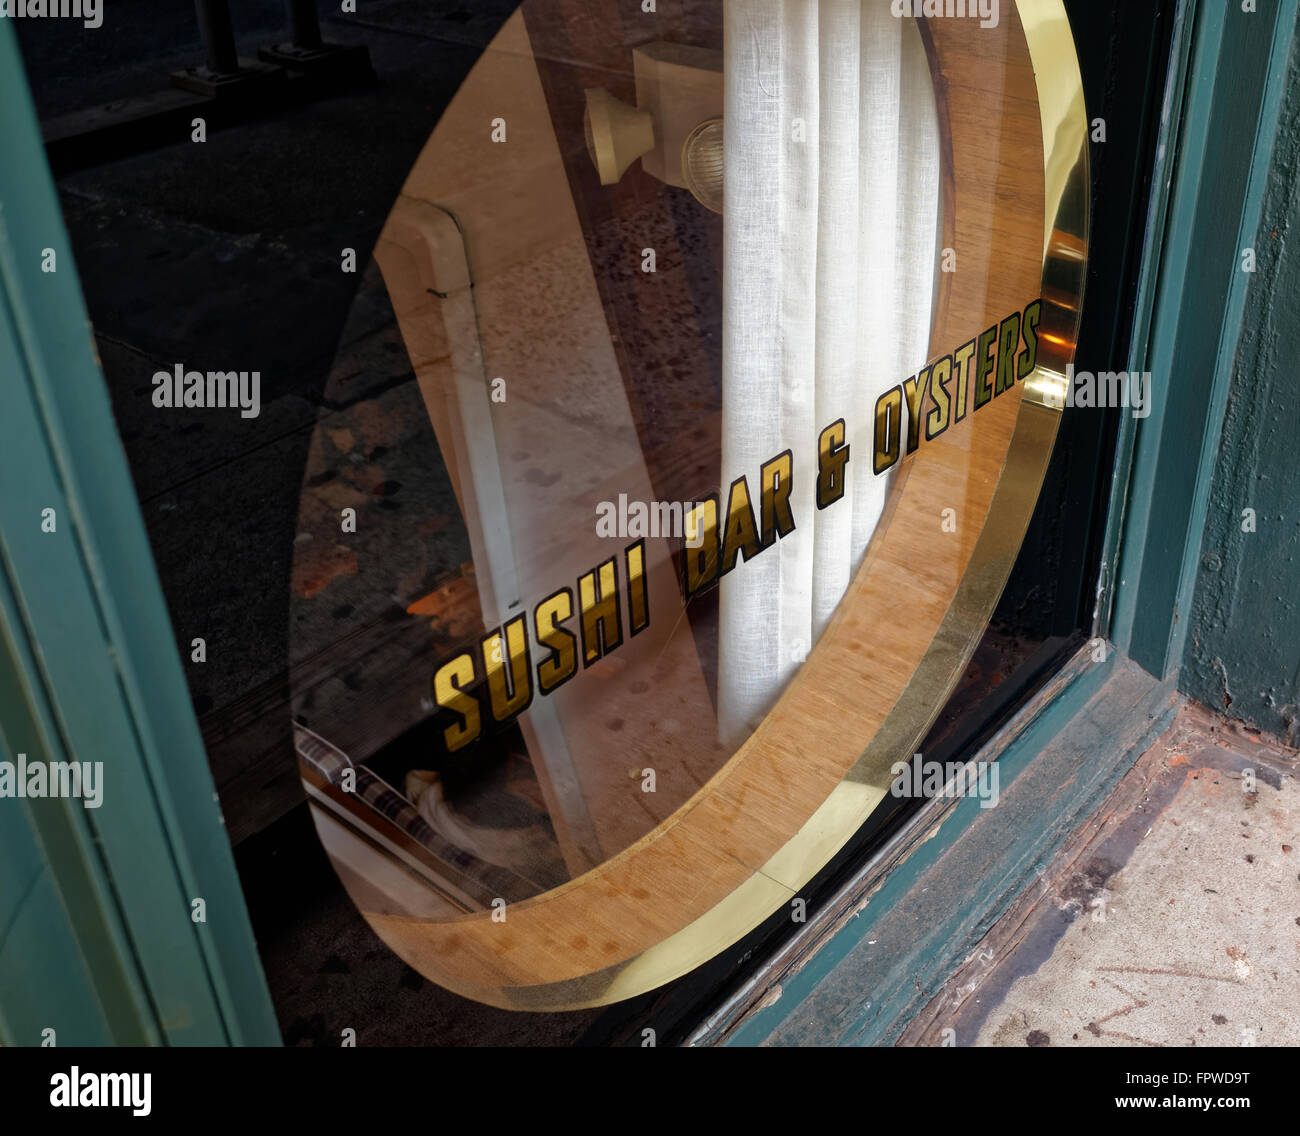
point(97, 941)
point(1229, 81)
point(101, 940)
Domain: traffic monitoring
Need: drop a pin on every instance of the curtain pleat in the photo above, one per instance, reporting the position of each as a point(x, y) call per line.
point(831, 214)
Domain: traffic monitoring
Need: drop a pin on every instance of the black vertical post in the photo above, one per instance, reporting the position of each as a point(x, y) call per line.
point(304, 23)
point(218, 35)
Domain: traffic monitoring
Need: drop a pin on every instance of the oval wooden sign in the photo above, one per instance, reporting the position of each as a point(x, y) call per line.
point(506, 624)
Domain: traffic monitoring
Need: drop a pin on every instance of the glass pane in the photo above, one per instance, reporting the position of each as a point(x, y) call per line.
point(619, 571)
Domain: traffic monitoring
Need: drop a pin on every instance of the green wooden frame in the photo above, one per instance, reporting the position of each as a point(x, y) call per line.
point(97, 940)
point(1226, 98)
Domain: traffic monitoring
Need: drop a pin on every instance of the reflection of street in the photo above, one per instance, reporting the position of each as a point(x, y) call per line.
point(228, 255)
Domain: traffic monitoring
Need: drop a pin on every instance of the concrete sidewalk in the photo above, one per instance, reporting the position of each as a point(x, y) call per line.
point(1171, 919)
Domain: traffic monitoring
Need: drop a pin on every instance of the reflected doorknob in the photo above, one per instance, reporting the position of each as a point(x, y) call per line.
point(617, 134)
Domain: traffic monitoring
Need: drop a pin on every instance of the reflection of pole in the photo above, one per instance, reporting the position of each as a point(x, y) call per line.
point(329, 65)
point(304, 23)
point(218, 35)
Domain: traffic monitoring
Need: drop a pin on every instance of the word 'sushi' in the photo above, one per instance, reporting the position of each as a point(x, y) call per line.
point(489, 684)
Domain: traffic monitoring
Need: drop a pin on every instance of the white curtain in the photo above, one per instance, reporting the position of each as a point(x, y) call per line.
point(831, 214)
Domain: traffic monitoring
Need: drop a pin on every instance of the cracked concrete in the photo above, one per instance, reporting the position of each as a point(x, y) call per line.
point(1172, 919)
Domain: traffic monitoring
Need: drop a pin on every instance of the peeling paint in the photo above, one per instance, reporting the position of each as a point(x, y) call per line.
point(1245, 624)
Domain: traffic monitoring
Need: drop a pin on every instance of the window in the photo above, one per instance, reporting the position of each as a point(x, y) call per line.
point(611, 531)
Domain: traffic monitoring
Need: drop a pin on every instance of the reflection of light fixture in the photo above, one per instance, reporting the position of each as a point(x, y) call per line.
point(617, 134)
point(674, 128)
point(702, 163)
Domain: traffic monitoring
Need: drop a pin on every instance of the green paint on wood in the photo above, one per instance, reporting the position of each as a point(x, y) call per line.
point(89, 671)
point(1243, 655)
point(1229, 118)
point(879, 969)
